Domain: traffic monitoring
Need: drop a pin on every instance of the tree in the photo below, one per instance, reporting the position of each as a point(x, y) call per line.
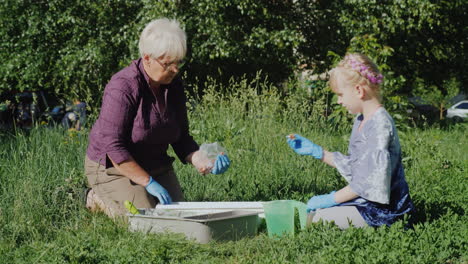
point(437, 97)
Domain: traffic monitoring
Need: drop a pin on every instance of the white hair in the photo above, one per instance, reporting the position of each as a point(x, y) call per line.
point(163, 37)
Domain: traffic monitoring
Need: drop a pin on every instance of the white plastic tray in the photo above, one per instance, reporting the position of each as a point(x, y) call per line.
point(214, 207)
point(200, 226)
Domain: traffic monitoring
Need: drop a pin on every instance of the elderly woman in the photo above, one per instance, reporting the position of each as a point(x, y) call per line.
point(143, 112)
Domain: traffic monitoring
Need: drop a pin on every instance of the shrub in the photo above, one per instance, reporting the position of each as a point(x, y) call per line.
point(72, 48)
point(68, 47)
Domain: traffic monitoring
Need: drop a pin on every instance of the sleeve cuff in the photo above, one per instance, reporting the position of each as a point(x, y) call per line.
point(182, 153)
point(118, 156)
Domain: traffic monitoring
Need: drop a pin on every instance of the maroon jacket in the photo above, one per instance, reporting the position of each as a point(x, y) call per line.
point(134, 122)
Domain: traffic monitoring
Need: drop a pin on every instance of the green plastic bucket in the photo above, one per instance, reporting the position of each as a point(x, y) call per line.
point(279, 216)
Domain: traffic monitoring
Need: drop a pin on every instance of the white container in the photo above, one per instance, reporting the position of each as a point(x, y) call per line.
point(214, 207)
point(202, 227)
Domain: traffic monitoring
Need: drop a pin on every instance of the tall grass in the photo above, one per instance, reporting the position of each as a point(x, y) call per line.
point(42, 219)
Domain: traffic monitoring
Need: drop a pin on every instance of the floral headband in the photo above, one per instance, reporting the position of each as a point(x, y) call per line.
point(364, 70)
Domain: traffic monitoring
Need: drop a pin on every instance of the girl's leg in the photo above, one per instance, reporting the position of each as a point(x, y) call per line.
point(341, 215)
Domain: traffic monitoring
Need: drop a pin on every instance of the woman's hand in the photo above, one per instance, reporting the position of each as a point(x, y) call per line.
point(202, 163)
point(205, 165)
point(221, 165)
point(156, 189)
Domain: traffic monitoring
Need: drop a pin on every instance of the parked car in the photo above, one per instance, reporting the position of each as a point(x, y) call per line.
point(420, 110)
point(458, 111)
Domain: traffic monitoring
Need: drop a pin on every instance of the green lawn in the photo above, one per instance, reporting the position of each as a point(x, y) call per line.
point(43, 221)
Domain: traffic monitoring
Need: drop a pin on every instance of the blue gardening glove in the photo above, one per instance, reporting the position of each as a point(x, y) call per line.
point(156, 189)
point(303, 146)
point(221, 164)
point(321, 201)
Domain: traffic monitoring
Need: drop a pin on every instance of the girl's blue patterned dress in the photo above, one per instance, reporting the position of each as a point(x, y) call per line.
point(374, 170)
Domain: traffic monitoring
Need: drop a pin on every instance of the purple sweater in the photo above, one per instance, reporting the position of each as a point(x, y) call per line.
point(134, 122)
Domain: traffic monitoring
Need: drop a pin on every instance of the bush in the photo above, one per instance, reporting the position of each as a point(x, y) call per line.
point(72, 48)
point(68, 47)
point(234, 37)
point(427, 38)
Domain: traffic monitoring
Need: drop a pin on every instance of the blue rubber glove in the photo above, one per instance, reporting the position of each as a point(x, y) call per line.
point(156, 189)
point(221, 164)
point(321, 201)
point(303, 146)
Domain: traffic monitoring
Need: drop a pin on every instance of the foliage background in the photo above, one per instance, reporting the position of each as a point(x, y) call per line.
point(73, 47)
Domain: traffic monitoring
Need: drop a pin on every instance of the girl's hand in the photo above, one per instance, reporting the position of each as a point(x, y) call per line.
point(303, 146)
point(321, 201)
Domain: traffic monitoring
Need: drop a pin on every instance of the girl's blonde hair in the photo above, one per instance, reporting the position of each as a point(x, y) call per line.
point(163, 37)
point(355, 69)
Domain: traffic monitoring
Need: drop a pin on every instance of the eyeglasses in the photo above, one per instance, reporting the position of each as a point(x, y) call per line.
point(165, 66)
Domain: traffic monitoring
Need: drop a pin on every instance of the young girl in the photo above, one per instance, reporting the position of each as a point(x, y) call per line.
point(377, 192)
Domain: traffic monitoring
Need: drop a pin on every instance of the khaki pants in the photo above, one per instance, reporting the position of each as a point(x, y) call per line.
point(110, 188)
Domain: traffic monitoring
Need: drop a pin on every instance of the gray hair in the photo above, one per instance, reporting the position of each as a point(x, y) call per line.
point(163, 37)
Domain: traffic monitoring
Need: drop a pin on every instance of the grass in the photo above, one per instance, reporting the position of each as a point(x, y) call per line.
point(43, 221)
